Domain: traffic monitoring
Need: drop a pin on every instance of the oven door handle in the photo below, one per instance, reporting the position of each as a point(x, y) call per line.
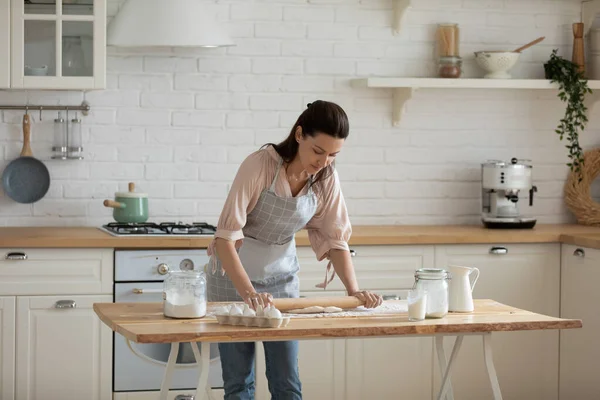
point(144, 291)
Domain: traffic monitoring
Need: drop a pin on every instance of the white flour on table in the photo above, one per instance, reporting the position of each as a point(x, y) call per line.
point(391, 307)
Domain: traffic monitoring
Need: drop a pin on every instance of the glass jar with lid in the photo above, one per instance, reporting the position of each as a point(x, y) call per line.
point(184, 294)
point(450, 67)
point(435, 282)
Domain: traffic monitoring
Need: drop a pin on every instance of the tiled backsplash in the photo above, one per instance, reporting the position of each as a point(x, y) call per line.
point(179, 122)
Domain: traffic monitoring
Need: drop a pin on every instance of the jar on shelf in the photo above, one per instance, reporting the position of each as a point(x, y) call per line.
point(75, 148)
point(449, 67)
point(435, 282)
point(184, 294)
point(59, 146)
point(447, 38)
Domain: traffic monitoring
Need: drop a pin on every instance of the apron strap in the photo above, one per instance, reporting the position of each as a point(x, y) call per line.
point(272, 188)
point(327, 281)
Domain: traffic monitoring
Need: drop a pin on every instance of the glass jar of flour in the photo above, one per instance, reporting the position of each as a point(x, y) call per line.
point(435, 282)
point(184, 294)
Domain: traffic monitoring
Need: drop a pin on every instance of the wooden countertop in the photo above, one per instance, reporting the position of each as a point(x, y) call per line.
point(145, 323)
point(67, 237)
point(591, 240)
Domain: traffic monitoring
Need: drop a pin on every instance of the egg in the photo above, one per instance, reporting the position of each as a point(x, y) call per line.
point(235, 310)
point(222, 310)
point(248, 312)
point(274, 313)
point(260, 311)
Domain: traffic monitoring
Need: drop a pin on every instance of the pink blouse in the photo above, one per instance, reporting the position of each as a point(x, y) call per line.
point(328, 229)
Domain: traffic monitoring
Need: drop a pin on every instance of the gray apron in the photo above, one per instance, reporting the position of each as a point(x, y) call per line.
point(268, 251)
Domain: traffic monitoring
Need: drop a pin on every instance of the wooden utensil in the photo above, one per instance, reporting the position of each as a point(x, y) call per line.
point(578, 47)
point(528, 45)
point(344, 302)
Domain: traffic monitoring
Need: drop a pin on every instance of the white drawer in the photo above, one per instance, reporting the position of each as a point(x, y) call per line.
point(55, 271)
point(377, 267)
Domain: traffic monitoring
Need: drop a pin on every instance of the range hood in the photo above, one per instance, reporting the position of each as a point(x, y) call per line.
point(166, 23)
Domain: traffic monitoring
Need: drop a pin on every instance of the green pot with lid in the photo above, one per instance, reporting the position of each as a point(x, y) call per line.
point(129, 207)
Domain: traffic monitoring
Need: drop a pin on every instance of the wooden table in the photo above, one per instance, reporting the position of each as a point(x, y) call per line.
point(145, 323)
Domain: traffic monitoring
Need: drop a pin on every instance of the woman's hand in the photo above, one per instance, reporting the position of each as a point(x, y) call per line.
point(254, 299)
point(370, 299)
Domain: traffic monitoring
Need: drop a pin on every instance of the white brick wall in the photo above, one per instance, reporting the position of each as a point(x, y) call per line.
point(178, 122)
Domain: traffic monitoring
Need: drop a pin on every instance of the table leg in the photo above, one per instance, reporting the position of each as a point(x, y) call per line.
point(166, 383)
point(203, 360)
point(489, 365)
point(446, 377)
point(443, 363)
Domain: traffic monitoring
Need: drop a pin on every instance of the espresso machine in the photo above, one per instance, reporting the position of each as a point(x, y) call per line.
point(501, 183)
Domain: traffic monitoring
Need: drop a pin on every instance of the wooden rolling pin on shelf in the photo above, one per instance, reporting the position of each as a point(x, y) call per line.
point(344, 302)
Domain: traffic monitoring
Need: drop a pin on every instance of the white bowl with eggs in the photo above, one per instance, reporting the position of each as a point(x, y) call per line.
point(496, 64)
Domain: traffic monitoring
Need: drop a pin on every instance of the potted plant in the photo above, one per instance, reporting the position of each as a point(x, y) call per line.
point(572, 90)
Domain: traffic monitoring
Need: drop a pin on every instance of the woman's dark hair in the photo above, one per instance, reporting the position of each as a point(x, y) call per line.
point(319, 117)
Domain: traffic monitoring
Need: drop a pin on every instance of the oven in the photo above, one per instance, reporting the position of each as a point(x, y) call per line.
point(139, 276)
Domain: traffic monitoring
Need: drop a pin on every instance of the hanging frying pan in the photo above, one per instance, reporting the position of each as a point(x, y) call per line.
point(26, 179)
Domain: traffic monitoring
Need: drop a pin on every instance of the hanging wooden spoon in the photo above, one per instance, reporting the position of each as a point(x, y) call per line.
point(528, 45)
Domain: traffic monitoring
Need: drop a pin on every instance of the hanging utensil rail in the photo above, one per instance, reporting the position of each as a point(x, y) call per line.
point(84, 108)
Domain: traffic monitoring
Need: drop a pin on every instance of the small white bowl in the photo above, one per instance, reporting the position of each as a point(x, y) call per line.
point(496, 63)
point(32, 71)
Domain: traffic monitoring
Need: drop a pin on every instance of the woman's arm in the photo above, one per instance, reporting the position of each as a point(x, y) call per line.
point(342, 264)
point(231, 264)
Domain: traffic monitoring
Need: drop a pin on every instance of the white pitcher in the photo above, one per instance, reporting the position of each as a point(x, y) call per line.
point(461, 289)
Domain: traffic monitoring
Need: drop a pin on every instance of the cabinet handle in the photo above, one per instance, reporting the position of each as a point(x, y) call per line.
point(16, 256)
point(391, 297)
point(579, 253)
point(498, 250)
point(65, 304)
point(142, 291)
point(352, 253)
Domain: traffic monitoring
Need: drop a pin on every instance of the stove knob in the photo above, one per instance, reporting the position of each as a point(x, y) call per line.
point(163, 269)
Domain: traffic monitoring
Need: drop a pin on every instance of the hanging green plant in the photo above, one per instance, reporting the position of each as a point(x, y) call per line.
point(572, 90)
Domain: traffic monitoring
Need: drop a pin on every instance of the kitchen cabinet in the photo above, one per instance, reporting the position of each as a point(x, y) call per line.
point(579, 352)
point(52, 343)
point(524, 276)
point(7, 348)
point(4, 44)
point(63, 349)
point(57, 45)
point(55, 271)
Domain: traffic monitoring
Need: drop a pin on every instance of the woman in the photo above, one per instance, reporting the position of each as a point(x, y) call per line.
point(279, 190)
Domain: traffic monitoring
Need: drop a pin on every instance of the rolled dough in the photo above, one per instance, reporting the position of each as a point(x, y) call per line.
point(315, 310)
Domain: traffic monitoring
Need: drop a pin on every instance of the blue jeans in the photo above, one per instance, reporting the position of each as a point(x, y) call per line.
point(237, 362)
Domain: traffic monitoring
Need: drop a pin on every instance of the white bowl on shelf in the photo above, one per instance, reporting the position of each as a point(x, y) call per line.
point(36, 71)
point(496, 64)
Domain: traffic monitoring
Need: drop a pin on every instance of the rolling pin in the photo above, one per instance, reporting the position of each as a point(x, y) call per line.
point(343, 302)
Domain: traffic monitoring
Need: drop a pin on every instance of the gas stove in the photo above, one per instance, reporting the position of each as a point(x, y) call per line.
point(180, 229)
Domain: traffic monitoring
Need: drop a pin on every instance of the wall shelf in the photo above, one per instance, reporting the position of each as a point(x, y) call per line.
point(589, 10)
point(404, 88)
point(400, 8)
